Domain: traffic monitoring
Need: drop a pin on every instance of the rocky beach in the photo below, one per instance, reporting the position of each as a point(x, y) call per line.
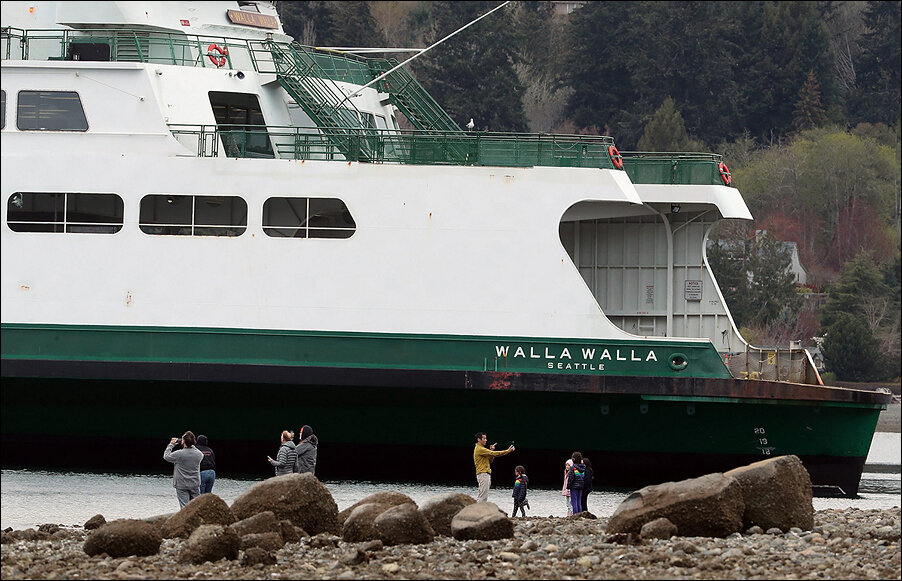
point(843, 544)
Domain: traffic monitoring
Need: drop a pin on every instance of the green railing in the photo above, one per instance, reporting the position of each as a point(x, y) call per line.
point(645, 167)
point(404, 147)
point(128, 45)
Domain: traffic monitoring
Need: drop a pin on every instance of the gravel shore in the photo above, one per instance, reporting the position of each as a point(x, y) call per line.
point(844, 544)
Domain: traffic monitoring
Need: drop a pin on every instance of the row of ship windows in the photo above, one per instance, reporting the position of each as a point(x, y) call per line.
point(178, 215)
point(47, 111)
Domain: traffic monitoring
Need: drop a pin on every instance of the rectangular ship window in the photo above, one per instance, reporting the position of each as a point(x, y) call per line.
point(50, 111)
point(65, 212)
point(307, 218)
point(173, 215)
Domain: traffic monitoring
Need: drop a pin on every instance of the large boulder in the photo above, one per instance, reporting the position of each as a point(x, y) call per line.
point(123, 538)
point(386, 498)
point(262, 522)
point(299, 498)
point(210, 543)
point(440, 509)
point(483, 521)
point(708, 506)
point(358, 526)
point(777, 493)
point(403, 525)
point(206, 509)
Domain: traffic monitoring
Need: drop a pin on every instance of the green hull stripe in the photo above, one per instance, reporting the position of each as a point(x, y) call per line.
point(360, 350)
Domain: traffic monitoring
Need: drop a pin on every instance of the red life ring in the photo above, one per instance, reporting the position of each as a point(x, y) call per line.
point(725, 174)
point(220, 60)
point(616, 158)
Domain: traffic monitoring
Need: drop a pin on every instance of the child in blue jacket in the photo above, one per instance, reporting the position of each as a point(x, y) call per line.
point(520, 485)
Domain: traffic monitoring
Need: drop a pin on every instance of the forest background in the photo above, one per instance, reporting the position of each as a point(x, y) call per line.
point(801, 98)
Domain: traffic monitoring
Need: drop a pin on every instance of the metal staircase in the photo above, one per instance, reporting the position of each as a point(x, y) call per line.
point(420, 108)
point(411, 98)
point(336, 117)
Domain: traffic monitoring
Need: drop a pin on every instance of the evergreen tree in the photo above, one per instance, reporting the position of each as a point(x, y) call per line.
point(329, 23)
point(472, 74)
point(850, 349)
point(753, 276)
point(784, 40)
point(666, 131)
point(771, 284)
point(309, 23)
point(809, 112)
point(599, 69)
point(859, 281)
point(726, 260)
point(878, 95)
point(354, 26)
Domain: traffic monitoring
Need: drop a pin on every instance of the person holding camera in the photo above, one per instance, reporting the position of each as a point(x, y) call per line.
point(483, 456)
point(186, 472)
point(287, 456)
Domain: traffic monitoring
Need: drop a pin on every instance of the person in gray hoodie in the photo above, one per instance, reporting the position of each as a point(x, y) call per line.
point(287, 456)
point(186, 472)
point(306, 449)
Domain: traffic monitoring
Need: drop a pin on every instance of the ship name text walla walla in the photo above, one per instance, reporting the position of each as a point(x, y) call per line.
point(586, 357)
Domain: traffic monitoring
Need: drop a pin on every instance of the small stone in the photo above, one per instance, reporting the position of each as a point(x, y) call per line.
point(550, 548)
point(774, 531)
point(584, 561)
point(508, 556)
point(353, 557)
point(390, 568)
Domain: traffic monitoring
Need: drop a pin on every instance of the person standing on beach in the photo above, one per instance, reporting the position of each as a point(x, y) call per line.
point(587, 484)
point(483, 457)
point(287, 456)
point(186, 472)
point(306, 451)
point(565, 491)
point(521, 483)
point(207, 465)
point(576, 482)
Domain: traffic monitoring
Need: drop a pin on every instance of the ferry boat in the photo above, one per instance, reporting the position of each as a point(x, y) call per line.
point(208, 226)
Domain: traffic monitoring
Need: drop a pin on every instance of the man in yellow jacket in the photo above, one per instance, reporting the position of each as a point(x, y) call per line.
point(483, 457)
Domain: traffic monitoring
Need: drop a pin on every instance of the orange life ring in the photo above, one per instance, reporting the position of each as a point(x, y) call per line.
point(220, 60)
point(616, 158)
point(725, 174)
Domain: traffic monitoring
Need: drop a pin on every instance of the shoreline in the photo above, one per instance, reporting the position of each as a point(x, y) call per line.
point(843, 544)
point(890, 419)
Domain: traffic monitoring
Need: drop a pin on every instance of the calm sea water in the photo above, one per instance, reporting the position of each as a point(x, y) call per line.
point(30, 498)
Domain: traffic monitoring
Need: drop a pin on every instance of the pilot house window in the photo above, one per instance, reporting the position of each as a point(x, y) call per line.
point(64, 212)
point(174, 215)
point(307, 218)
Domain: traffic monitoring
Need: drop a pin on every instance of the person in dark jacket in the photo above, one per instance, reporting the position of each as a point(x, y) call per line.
point(521, 483)
point(306, 450)
point(587, 484)
point(577, 482)
point(287, 456)
point(207, 465)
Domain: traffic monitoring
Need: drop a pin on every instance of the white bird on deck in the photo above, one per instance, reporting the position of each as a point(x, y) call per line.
point(470, 125)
